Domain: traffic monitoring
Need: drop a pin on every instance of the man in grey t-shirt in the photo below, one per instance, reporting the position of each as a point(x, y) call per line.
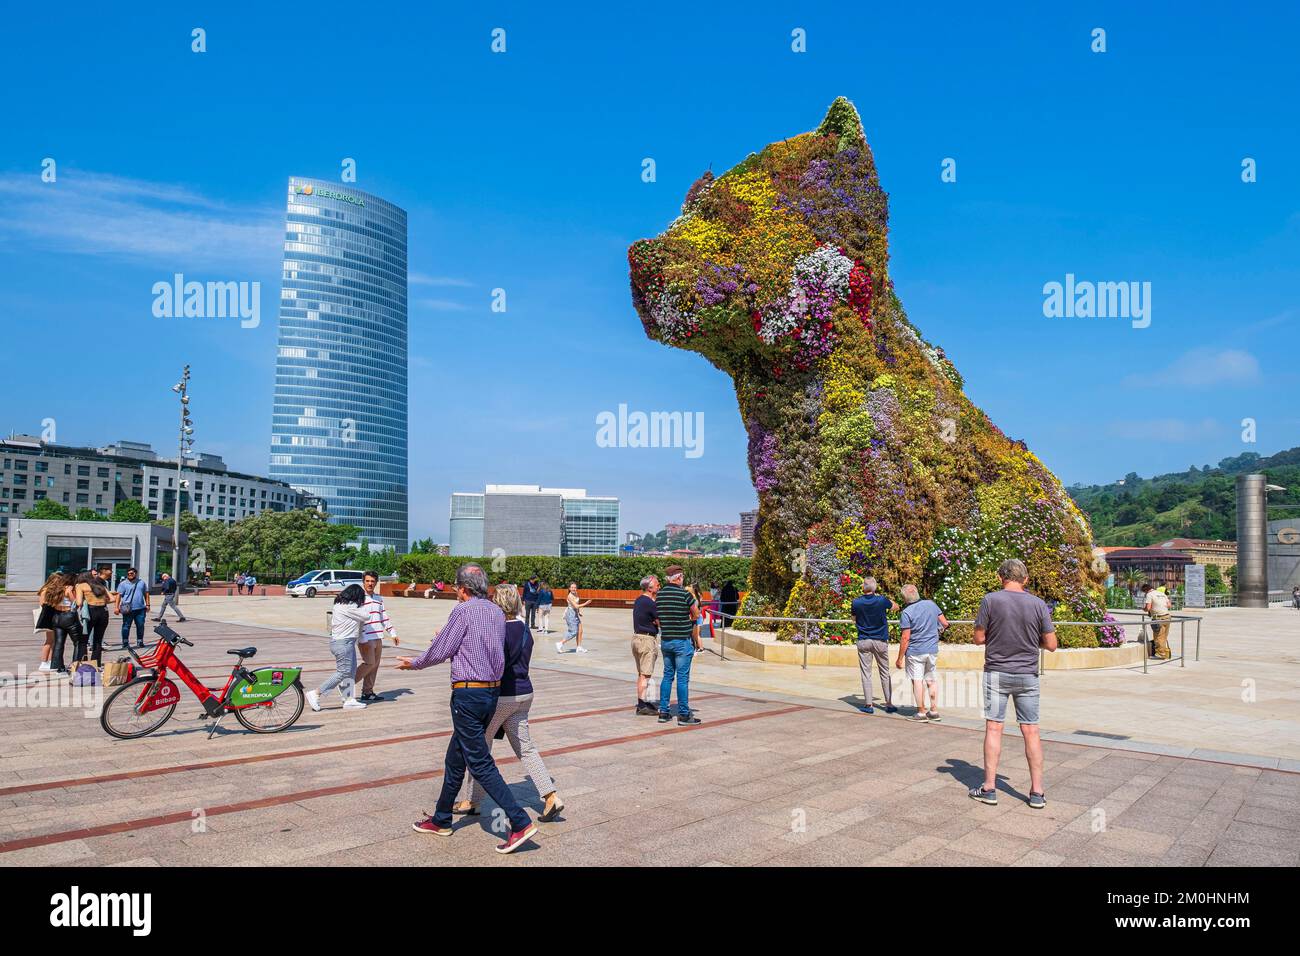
point(1012, 624)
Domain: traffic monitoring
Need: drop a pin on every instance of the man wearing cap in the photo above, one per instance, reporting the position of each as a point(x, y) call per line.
point(677, 612)
point(645, 642)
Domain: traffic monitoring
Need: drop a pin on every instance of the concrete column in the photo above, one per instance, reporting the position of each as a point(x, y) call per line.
point(1252, 541)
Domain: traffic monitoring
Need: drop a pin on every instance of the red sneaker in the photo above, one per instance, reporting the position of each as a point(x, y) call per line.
point(517, 839)
point(428, 826)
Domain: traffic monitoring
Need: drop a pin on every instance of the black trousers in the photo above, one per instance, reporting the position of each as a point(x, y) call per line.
point(469, 749)
point(61, 635)
point(98, 625)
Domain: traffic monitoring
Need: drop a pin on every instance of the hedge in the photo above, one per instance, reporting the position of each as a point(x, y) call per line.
point(598, 571)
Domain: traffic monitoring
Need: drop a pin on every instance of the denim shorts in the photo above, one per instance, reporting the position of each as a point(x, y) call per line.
point(1021, 688)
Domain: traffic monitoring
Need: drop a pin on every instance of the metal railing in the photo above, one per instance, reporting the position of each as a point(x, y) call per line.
point(1143, 620)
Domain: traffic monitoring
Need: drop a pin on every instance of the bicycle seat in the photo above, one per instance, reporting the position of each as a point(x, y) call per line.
point(243, 651)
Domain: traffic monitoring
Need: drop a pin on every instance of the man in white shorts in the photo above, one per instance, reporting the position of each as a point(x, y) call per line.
point(921, 622)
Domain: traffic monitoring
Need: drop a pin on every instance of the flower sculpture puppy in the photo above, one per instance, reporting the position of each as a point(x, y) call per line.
point(866, 455)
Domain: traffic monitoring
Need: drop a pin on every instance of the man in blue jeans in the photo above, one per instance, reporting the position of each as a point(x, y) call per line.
point(677, 612)
point(473, 639)
point(133, 605)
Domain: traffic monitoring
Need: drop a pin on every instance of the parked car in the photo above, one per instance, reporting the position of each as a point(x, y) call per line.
point(321, 582)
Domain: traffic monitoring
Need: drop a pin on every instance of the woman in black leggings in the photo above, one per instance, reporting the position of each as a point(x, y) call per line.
point(92, 600)
point(66, 621)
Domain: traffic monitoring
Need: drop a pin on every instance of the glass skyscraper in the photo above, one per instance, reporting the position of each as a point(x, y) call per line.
point(338, 427)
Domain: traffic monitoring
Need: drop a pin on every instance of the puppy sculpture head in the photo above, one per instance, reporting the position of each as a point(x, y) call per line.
point(866, 456)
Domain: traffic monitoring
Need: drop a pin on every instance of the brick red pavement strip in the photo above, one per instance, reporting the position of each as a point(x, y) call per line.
point(287, 754)
point(186, 816)
point(206, 671)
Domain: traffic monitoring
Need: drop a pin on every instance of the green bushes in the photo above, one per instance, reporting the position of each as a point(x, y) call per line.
point(595, 572)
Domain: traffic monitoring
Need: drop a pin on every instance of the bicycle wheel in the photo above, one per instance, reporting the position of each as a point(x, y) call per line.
point(119, 717)
point(275, 715)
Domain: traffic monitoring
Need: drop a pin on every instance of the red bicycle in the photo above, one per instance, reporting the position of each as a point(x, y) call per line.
point(266, 701)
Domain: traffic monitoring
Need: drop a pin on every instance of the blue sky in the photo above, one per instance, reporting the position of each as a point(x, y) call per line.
point(523, 171)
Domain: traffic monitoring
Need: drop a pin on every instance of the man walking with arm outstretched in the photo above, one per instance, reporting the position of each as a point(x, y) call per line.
point(473, 639)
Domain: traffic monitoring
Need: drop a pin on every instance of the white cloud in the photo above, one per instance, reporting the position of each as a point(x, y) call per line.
point(441, 305)
point(1201, 368)
point(419, 278)
point(163, 223)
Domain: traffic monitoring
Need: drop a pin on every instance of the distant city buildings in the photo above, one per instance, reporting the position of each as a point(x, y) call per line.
point(32, 470)
point(532, 520)
point(339, 422)
point(703, 530)
point(1159, 566)
point(748, 519)
point(1222, 554)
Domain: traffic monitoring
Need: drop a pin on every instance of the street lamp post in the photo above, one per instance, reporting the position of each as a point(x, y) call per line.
point(185, 444)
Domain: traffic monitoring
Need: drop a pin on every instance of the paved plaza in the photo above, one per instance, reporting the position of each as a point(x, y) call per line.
point(782, 770)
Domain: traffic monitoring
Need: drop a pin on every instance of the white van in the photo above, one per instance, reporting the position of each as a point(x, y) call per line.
point(321, 582)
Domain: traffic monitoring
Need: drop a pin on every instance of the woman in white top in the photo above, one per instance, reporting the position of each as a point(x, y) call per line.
point(348, 618)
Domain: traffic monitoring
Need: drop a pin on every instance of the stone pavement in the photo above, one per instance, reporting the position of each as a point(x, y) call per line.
point(1240, 702)
point(761, 781)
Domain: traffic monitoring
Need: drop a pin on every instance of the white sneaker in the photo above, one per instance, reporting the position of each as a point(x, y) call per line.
point(559, 647)
point(45, 666)
point(353, 704)
point(313, 700)
point(581, 650)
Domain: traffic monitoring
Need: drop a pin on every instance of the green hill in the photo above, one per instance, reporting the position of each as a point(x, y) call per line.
point(1197, 503)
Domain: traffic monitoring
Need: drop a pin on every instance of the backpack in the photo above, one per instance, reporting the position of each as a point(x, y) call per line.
point(86, 675)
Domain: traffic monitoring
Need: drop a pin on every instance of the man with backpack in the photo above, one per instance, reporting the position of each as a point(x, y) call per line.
point(170, 592)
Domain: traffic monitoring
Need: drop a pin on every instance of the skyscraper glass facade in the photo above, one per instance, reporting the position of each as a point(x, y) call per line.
point(338, 427)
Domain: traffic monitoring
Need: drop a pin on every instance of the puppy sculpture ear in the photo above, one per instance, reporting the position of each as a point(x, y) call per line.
point(842, 121)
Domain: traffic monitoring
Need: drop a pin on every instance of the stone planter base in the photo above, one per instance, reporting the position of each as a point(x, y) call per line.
point(766, 648)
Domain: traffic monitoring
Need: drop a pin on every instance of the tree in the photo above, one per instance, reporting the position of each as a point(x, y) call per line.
point(88, 514)
point(128, 509)
point(1214, 583)
point(1131, 578)
point(48, 510)
point(292, 541)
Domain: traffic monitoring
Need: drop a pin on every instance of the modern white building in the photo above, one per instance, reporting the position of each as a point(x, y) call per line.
point(38, 548)
point(533, 520)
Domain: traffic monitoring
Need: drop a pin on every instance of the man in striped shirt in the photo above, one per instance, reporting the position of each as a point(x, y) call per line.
point(371, 643)
point(677, 612)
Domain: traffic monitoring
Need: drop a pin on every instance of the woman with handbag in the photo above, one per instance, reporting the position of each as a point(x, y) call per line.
point(48, 598)
point(66, 621)
point(92, 602)
point(510, 719)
